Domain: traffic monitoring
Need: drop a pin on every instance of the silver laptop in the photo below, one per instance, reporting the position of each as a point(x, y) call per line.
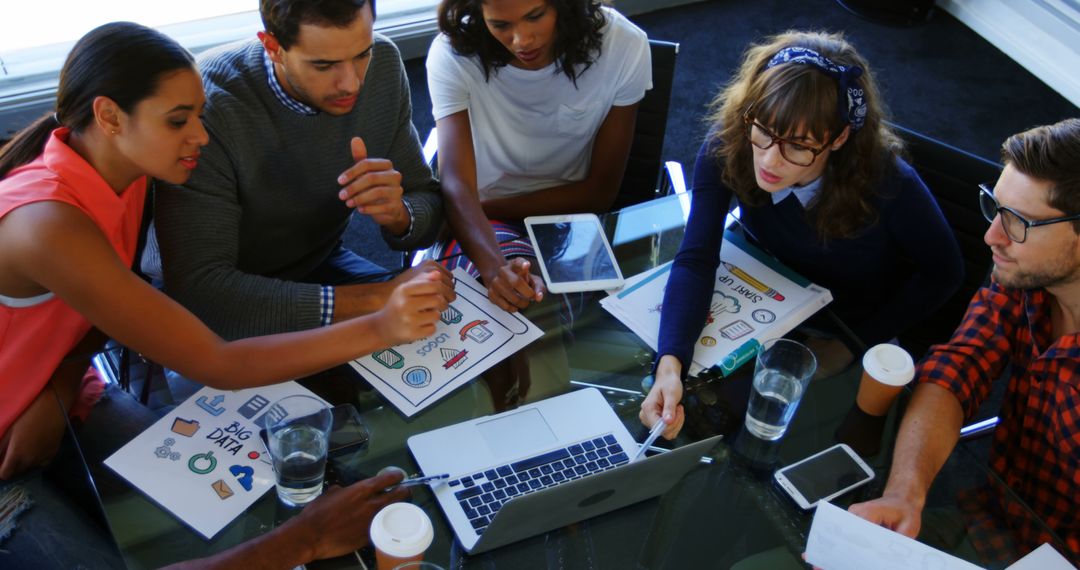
point(542, 466)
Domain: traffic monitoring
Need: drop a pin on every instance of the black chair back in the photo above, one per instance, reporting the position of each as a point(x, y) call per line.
point(641, 180)
point(952, 176)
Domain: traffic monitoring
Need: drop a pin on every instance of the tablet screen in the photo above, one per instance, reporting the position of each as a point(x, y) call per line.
point(574, 251)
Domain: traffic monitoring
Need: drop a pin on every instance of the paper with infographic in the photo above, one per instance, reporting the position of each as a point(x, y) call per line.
point(204, 462)
point(755, 298)
point(471, 336)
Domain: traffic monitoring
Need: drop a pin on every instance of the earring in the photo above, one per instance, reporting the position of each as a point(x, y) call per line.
point(115, 132)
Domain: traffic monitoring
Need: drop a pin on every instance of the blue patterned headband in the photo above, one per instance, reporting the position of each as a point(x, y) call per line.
point(852, 103)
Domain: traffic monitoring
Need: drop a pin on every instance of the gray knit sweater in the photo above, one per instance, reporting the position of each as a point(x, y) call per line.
point(261, 211)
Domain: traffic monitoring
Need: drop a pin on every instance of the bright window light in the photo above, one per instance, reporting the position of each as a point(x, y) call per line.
point(32, 23)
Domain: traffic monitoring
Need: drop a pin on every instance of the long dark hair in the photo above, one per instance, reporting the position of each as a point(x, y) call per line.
point(789, 97)
point(577, 34)
point(122, 61)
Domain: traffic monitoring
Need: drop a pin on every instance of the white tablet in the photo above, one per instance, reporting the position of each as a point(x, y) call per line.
point(574, 253)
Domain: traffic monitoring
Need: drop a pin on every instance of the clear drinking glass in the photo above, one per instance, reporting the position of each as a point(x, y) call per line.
point(781, 372)
point(298, 440)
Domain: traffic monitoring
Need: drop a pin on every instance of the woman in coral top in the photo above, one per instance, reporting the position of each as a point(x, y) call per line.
point(72, 187)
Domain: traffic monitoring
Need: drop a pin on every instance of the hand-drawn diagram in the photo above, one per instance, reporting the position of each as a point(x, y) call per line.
point(186, 428)
point(476, 331)
point(471, 336)
point(721, 303)
point(165, 450)
point(389, 358)
point(244, 475)
point(763, 316)
point(451, 316)
point(417, 377)
point(253, 406)
point(453, 358)
point(737, 329)
point(202, 463)
point(222, 489)
point(212, 407)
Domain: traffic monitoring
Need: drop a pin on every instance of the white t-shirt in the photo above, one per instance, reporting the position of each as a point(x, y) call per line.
point(532, 129)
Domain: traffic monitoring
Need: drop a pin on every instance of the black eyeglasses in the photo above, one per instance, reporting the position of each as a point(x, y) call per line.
point(1015, 225)
point(796, 153)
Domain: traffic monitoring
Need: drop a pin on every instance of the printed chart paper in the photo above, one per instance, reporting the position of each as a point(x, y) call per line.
point(471, 336)
point(205, 462)
point(754, 299)
point(840, 540)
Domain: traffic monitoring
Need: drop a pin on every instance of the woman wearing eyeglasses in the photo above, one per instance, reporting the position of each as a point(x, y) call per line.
point(799, 141)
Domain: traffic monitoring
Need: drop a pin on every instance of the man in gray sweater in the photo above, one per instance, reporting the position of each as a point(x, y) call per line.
point(306, 124)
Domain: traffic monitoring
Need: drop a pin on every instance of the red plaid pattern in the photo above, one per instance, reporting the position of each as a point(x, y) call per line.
point(1036, 447)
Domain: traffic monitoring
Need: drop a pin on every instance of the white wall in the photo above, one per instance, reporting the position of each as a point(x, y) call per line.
point(1041, 35)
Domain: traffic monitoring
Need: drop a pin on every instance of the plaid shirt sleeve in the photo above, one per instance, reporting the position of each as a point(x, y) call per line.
point(979, 349)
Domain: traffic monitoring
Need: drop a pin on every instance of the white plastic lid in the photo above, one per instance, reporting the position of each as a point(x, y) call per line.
point(889, 364)
point(402, 530)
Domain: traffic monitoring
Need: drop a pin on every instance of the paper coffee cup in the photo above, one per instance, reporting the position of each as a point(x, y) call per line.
point(401, 532)
point(887, 368)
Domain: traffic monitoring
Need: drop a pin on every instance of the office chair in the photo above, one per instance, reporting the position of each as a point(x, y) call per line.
point(952, 175)
point(642, 180)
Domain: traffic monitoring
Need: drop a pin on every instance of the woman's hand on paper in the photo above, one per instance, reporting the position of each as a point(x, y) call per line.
point(665, 397)
point(514, 286)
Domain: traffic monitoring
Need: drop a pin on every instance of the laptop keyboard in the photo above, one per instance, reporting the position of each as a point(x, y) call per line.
point(481, 495)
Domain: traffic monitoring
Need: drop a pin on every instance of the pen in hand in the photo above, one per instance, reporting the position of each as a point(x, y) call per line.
point(423, 480)
point(413, 481)
point(657, 429)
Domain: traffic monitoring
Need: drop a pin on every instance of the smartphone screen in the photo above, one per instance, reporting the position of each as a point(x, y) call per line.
point(824, 475)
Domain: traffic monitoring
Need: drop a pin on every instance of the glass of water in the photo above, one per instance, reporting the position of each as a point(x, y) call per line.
point(782, 371)
point(298, 433)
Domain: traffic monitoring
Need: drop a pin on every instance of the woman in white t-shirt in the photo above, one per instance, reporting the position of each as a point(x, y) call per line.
point(535, 102)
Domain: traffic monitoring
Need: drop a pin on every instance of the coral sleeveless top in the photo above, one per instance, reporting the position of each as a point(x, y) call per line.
point(37, 333)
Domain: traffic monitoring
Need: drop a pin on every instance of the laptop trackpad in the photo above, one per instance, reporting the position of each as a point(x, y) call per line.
point(512, 435)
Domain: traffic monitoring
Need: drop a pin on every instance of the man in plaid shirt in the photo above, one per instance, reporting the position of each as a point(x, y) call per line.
point(1028, 317)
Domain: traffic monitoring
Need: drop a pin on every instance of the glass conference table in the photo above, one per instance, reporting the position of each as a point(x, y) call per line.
point(727, 514)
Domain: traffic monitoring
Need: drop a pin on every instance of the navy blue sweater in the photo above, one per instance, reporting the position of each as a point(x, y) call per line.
point(890, 276)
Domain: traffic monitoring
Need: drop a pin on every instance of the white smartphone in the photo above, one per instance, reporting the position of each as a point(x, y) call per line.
point(573, 252)
point(824, 476)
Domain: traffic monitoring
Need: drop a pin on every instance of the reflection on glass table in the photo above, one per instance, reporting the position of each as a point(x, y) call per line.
point(724, 514)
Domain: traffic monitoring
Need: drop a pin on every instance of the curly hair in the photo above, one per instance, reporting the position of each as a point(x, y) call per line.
point(797, 99)
point(577, 34)
point(282, 18)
